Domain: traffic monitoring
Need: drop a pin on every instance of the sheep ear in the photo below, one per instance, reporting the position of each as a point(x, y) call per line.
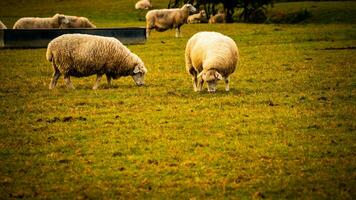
point(200, 74)
point(218, 76)
point(136, 70)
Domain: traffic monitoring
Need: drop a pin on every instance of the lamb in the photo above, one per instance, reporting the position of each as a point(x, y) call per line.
point(78, 22)
point(143, 4)
point(2, 26)
point(210, 56)
point(81, 55)
point(57, 21)
point(197, 18)
point(164, 19)
point(218, 18)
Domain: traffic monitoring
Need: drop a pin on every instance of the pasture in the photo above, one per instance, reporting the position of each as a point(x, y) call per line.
point(286, 129)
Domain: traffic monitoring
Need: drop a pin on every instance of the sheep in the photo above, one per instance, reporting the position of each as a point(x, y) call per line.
point(164, 19)
point(82, 55)
point(143, 4)
point(57, 21)
point(78, 22)
point(210, 56)
point(218, 18)
point(2, 26)
point(197, 18)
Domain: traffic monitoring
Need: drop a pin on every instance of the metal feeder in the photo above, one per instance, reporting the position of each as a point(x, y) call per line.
point(39, 38)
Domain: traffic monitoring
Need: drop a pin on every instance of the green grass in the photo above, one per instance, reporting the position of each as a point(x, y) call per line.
point(321, 12)
point(285, 130)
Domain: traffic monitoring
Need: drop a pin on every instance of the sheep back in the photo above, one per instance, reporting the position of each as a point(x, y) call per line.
point(218, 52)
point(218, 18)
point(143, 4)
point(164, 19)
point(79, 22)
point(84, 55)
point(197, 18)
point(40, 23)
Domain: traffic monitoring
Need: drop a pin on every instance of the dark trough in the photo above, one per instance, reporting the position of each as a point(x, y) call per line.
point(39, 38)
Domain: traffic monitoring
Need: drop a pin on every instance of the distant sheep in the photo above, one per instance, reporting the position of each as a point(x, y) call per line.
point(143, 4)
point(218, 18)
point(79, 22)
point(2, 26)
point(210, 56)
point(197, 18)
point(81, 55)
point(164, 19)
point(57, 21)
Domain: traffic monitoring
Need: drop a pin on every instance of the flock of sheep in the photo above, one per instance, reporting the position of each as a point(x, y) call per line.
point(209, 56)
point(57, 21)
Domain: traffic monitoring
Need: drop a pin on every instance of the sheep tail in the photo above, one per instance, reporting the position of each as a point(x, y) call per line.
point(49, 55)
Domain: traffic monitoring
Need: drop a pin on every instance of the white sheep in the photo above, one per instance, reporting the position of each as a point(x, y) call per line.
point(57, 21)
point(81, 55)
point(197, 18)
point(2, 26)
point(210, 56)
point(143, 4)
point(78, 22)
point(218, 18)
point(164, 19)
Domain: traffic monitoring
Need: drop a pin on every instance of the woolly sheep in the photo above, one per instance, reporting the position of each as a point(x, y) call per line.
point(57, 21)
point(164, 19)
point(197, 18)
point(81, 55)
point(2, 26)
point(78, 22)
point(210, 56)
point(143, 4)
point(218, 18)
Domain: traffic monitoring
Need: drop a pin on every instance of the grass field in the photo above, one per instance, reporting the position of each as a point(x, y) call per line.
point(285, 130)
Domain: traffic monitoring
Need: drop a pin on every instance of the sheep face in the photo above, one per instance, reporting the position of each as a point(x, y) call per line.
point(211, 77)
point(203, 14)
point(139, 74)
point(190, 8)
point(62, 20)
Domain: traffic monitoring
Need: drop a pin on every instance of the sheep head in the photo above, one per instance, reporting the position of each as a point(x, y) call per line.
point(139, 72)
point(62, 20)
point(202, 13)
point(191, 9)
point(211, 77)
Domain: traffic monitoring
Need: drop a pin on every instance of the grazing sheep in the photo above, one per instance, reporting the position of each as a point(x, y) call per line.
point(143, 4)
point(78, 22)
point(197, 18)
point(164, 19)
point(210, 56)
point(57, 21)
point(2, 26)
point(84, 55)
point(218, 18)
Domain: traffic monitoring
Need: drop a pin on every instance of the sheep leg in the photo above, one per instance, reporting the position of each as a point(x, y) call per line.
point(68, 82)
point(96, 84)
point(148, 31)
point(195, 83)
point(194, 78)
point(200, 86)
point(108, 78)
point(55, 77)
point(178, 32)
point(227, 80)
